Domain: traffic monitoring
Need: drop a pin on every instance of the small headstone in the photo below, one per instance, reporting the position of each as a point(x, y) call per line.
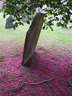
point(32, 37)
point(9, 22)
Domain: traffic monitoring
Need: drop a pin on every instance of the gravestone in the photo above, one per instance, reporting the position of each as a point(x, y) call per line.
point(32, 37)
point(9, 22)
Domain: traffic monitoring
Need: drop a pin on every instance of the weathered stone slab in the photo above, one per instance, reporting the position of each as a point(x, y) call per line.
point(32, 37)
point(9, 22)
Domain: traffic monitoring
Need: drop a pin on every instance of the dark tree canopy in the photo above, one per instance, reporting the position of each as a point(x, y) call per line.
point(53, 10)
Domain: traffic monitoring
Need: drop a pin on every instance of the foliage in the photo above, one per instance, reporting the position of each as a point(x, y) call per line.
point(1, 56)
point(53, 10)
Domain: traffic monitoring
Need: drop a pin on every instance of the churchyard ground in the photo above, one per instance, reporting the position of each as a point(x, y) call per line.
point(52, 59)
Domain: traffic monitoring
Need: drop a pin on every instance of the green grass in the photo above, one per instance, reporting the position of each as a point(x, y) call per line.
point(58, 35)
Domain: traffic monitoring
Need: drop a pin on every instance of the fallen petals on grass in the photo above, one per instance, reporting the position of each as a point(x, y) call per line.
point(44, 64)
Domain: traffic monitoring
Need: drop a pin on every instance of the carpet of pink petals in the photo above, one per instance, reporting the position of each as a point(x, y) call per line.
point(45, 63)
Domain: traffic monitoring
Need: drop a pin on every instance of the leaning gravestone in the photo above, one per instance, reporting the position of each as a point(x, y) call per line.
point(32, 37)
point(9, 22)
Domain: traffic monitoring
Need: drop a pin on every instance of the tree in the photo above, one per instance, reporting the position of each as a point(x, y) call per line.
point(53, 10)
point(56, 8)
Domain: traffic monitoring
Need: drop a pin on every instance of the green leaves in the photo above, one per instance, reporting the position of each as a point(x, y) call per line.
point(69, 84)
point(70, 27)
point(4, 15)
point(28, 22)
point(15, 25)
point(59, 24)
point(54, 7)
point(50, 18)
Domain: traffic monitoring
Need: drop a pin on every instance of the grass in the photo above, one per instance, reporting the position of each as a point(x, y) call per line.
point(58, 35)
